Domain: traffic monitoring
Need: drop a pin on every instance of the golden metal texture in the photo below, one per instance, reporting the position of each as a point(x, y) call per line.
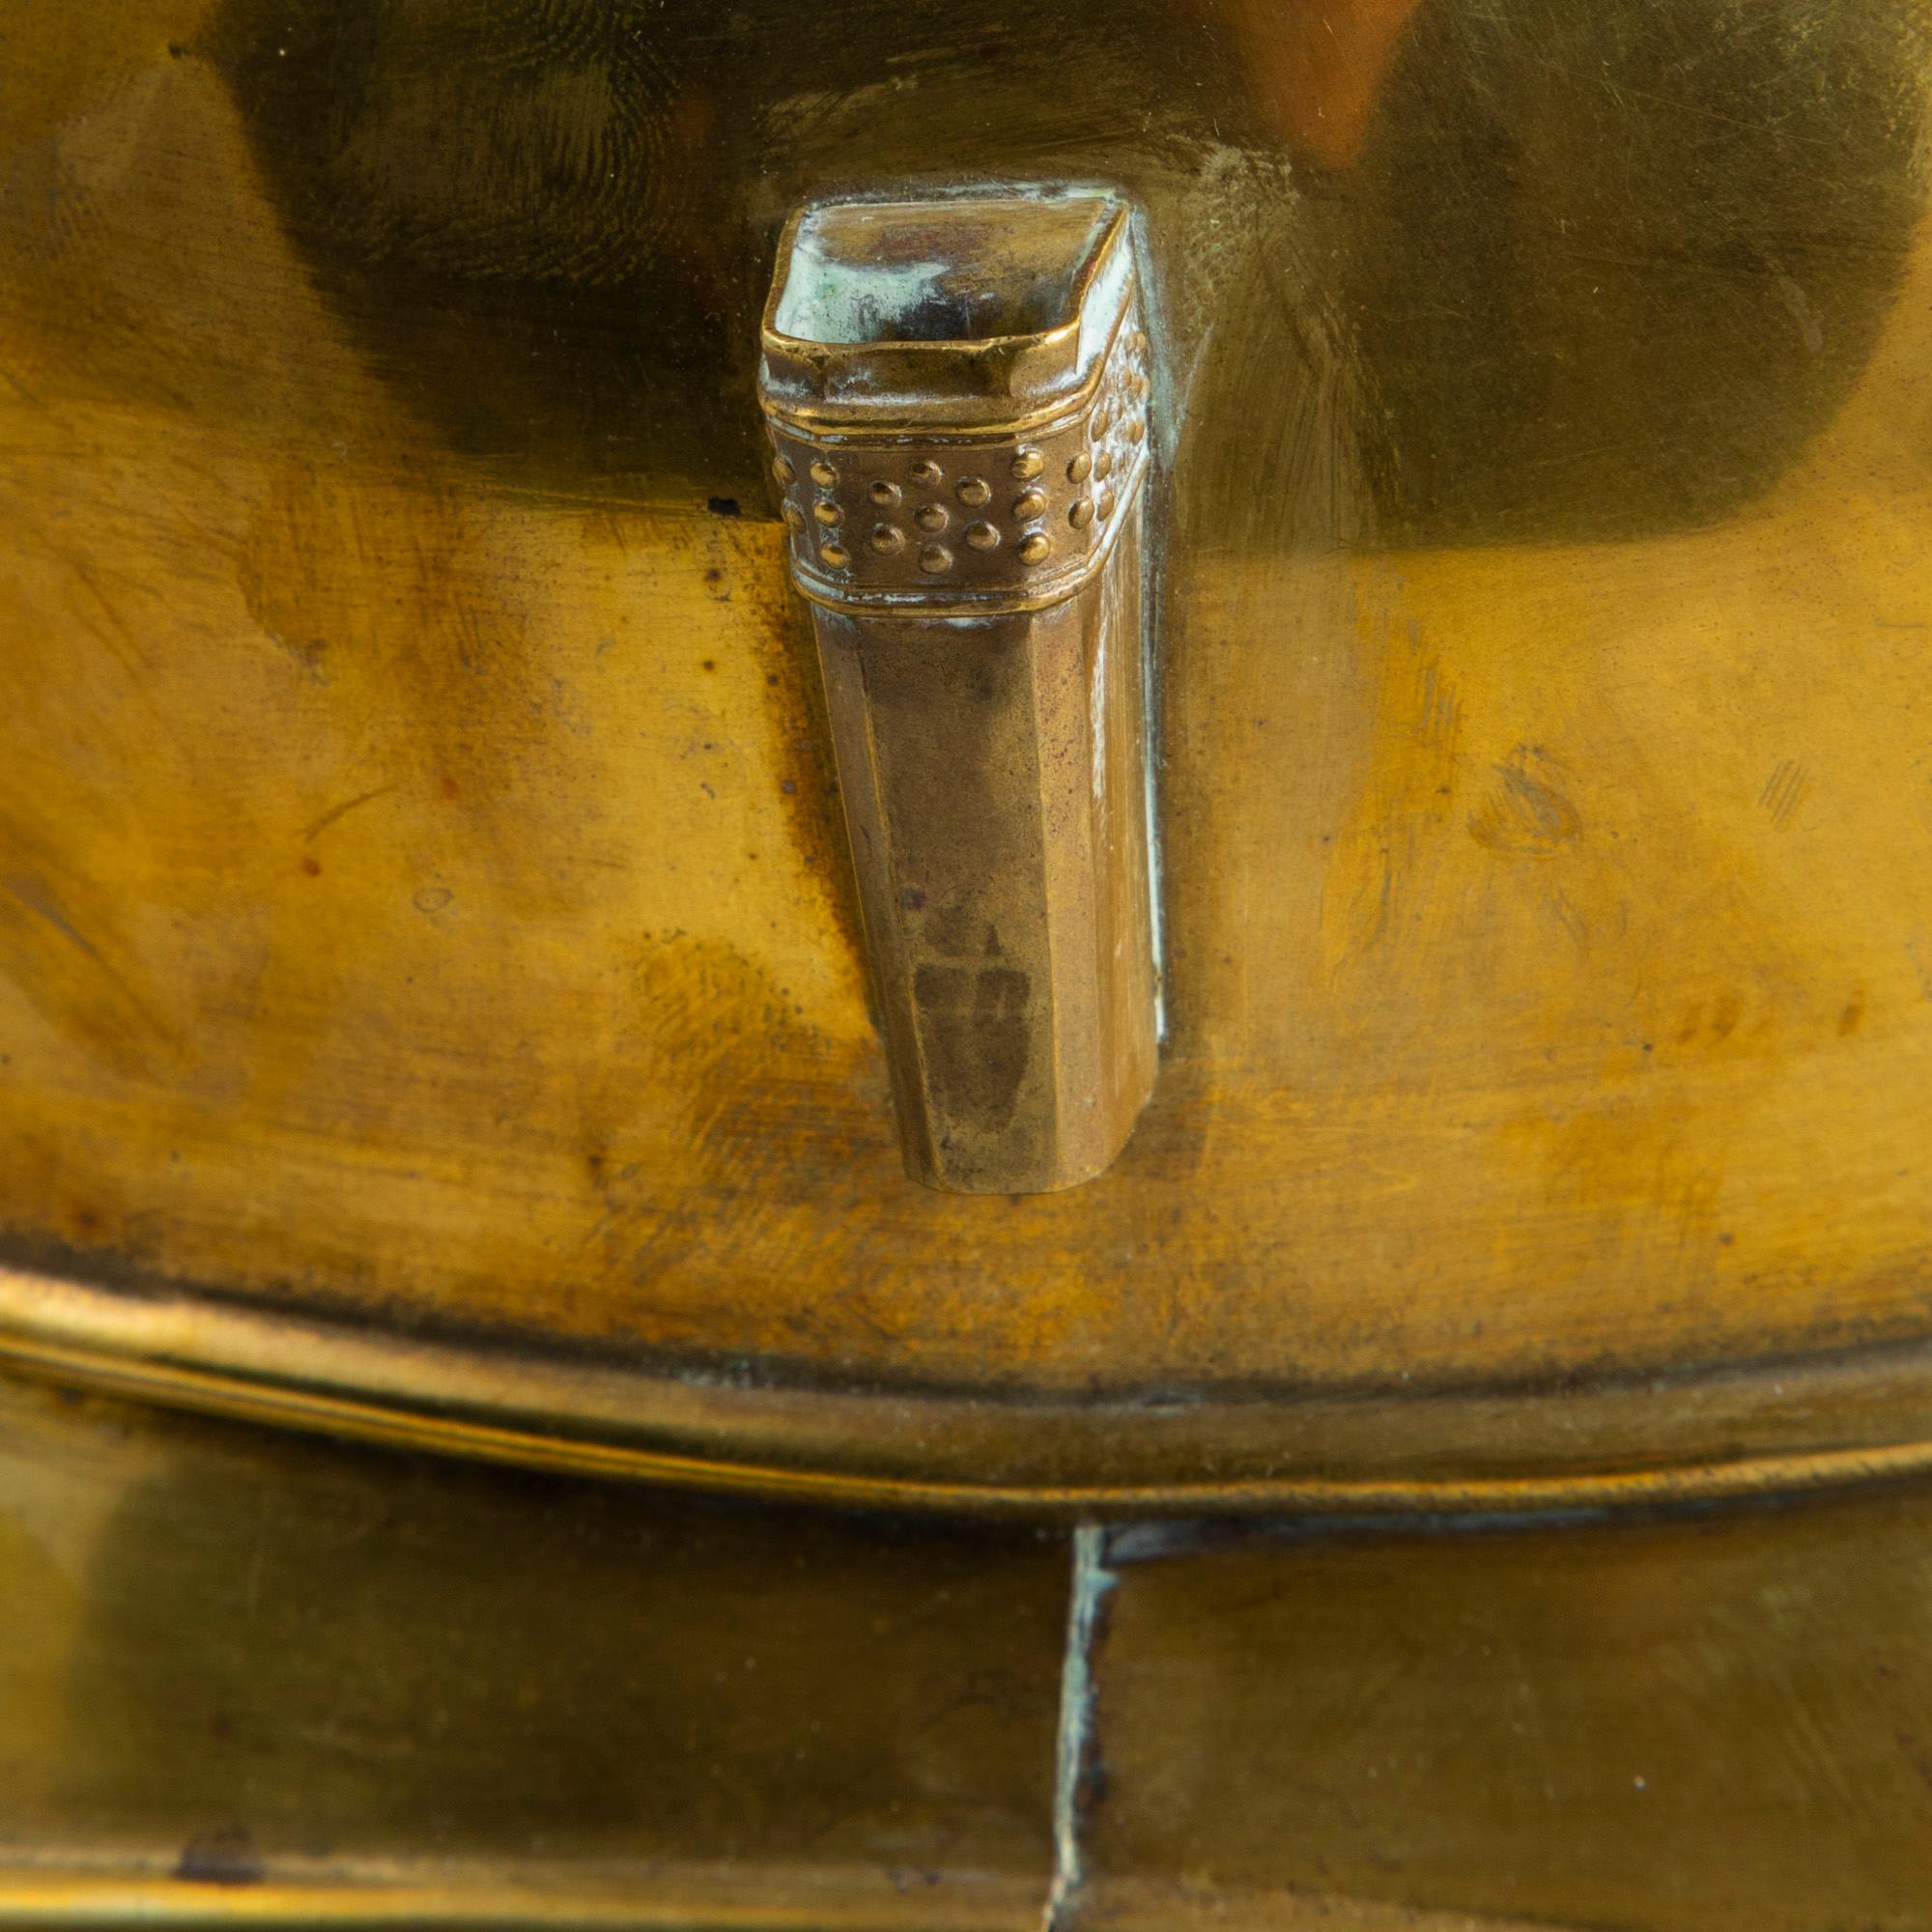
point(1713, 1722)
point(424, 916)
point(258, 1678)
point(982, 659)
point(1860, 1419)
point(248, 1676)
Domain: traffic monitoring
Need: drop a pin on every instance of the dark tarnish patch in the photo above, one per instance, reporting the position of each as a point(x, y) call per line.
point(1783, 791)
point(978, 1036)
point(775, 1114)
point(1523, 815)
point(225, 1856)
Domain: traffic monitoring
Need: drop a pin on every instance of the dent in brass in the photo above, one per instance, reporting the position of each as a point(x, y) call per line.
point(985, 684)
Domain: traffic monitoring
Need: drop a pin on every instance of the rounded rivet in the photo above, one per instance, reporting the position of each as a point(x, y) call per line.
point(1136, 429)
point(887, 538)
point(1035, 549)
point(884, 493)
point(975, 491)
point(930, 516)
point(1030, 503)
point(1103, 465)
point(823, 474)
point(829, 514)
point(1079, 513)
point(781, 468)
point(1080, 469)
point(934, 558)
point(835, 555)
point(927, 472)
point(1027, 463)
point(794, 516)
point(982, 537)
point(1102, 422)
point(1106, 504)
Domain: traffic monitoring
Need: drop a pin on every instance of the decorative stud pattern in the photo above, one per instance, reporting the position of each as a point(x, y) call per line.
point(904, 500)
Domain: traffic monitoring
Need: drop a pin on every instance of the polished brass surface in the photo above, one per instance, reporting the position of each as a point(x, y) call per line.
point(424, 918)
point(1717, 1722)
point(1859, 1419)
point(985, 680)
point(247, 1675)
point(253, 1677)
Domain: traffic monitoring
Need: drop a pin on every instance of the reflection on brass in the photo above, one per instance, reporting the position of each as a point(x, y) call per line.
point(1704, 1721)
point(925, 363)
point(249, 1677)
point(246, 1677)
point(424, 918)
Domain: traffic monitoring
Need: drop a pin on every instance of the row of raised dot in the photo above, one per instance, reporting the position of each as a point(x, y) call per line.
point(888, 539)
point(1035, 548)
point(1027, 464)
point(1079, 513)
